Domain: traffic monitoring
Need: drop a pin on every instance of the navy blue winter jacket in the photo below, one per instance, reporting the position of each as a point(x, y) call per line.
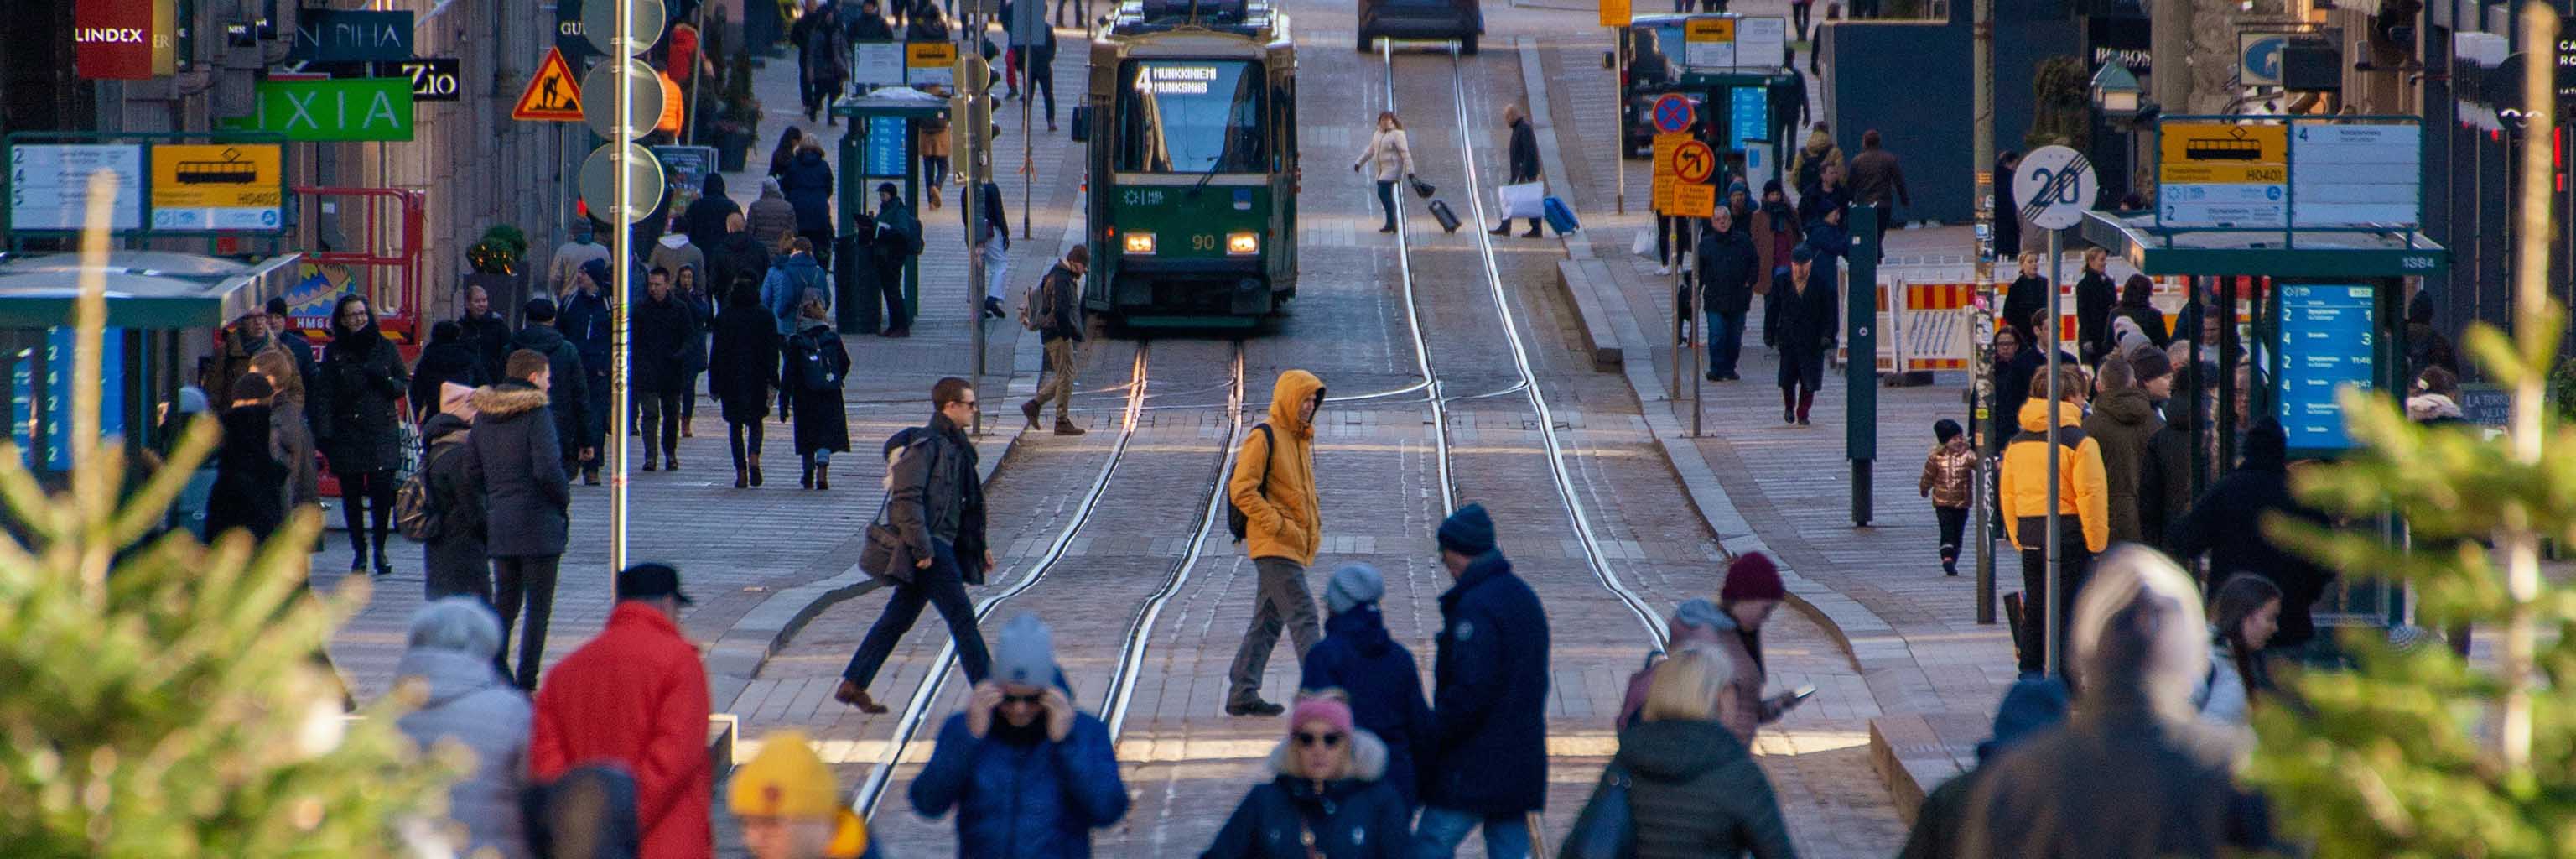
point(1358, 817)
point(1019, 795)
point(1359, 658)
point(584, 321)
point(1488, 753)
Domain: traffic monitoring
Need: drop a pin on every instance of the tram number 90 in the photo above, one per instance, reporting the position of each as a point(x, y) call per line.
point(1204, 242)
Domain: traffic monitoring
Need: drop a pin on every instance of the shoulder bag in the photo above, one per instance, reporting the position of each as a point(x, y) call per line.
point(886, 556)
point(1607, 826)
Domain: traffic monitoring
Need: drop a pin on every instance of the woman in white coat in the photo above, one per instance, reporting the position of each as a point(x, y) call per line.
point(1394, 158)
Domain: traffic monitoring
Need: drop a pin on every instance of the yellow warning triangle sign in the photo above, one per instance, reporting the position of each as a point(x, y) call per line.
point(553, 95)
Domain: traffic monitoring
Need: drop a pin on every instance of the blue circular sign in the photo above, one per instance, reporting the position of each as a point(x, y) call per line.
point(1672, 113)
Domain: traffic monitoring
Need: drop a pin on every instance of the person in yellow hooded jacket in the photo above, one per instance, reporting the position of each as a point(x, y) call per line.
point(790, 806)
point(2083, 506)
point(1273, 484)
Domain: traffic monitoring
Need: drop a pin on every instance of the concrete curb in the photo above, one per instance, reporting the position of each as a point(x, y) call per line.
point(1907, 754)
point(1598, 336)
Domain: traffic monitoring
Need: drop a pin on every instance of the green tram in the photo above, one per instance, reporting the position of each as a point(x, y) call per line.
point(1191, 129)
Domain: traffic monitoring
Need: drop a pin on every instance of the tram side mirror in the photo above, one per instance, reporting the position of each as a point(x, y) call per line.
point(1081, 123)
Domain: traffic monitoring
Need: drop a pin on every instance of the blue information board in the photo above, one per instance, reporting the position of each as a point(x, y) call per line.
point(884, 147)
point(1748, 116)
point(2328, 340)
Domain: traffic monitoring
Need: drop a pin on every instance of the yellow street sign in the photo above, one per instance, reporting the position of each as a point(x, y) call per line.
point(1662, 201)
point(221, 187)
point(233, 176)
point(1694, 201)
point(930, 55)
point(1708, 30)
point(552, 94)
point(2223, 153)
point(1665, 145)
point(1615, 13)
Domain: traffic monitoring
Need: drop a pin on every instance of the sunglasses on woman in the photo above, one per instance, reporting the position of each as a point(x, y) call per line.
point(1331, 740)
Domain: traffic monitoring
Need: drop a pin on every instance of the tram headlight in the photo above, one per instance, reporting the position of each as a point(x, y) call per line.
point(1242, 243)
point(1140, 244)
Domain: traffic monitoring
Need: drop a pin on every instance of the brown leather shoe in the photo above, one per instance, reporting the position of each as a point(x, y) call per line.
point(850, 693)
point(1030, 409)
point(1066, 427)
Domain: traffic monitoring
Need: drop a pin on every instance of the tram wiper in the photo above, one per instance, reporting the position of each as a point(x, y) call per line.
point(1204, 177)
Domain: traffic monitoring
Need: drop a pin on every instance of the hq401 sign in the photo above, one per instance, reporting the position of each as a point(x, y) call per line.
point(374, 109)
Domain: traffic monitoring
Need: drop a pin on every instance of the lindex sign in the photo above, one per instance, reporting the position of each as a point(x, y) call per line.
point(377, 109)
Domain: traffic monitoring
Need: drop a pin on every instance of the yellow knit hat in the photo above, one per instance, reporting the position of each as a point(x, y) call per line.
point(788, 780)
point(785, 780)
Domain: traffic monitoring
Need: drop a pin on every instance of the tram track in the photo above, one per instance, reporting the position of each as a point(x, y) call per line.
point(922, 709)
point(1577, 512)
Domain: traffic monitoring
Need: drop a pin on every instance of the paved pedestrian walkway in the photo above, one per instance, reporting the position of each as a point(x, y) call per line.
point(1934, 672)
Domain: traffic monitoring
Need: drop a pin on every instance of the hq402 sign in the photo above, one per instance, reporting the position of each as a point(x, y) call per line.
point(376, 109)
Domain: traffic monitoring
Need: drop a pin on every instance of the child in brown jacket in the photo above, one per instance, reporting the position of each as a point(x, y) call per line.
point(1948, 473)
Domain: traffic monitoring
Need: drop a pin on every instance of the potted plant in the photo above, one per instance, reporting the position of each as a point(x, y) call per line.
point(738, 120)
point(499, 263)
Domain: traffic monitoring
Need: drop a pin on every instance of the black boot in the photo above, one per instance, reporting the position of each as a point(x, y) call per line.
point(807, 481)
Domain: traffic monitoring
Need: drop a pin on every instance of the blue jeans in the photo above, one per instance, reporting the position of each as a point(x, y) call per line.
point(1507, 836)
point(942, 586)
point(1386, 200)
point(1725, 342)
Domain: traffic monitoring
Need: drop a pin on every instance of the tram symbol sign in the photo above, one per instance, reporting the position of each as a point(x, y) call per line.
point(1694, 162)
point(2053, 187)
point(1672, 112)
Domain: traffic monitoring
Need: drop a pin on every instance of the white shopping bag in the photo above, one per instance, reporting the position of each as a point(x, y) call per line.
point(1644, 246)
point(1522, 200)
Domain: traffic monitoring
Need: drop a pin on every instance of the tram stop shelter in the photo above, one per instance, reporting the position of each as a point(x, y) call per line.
point(880, 147)
point(2323, 309)
point(162, 312)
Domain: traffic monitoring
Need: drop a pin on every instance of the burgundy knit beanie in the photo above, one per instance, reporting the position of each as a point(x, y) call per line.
point(1752, 577)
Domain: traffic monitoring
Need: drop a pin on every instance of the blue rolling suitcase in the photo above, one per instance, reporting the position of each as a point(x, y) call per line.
point(1560, 217)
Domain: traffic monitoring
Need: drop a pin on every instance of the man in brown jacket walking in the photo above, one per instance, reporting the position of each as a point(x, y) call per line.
point(1876, 178)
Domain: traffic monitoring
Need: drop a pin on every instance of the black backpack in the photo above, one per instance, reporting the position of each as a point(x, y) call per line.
point(814, 370)
point(1236, 522)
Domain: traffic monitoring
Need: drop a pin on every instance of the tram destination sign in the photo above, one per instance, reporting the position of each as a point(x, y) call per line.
point(49, 185)
point(2298, 174)
point(2223, 174)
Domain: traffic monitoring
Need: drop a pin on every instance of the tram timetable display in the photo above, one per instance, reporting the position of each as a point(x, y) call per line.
point(2328, 340)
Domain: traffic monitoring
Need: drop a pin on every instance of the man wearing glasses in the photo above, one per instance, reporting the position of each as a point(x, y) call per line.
point(1028, 774)
point(936, 503)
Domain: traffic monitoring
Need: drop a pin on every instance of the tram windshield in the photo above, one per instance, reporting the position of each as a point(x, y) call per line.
point(1192, 116)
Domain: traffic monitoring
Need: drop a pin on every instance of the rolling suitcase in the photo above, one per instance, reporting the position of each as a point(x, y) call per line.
point(1448, 219)
point(1560, 217)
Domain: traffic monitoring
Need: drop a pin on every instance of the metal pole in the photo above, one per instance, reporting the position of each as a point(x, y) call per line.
point(1982, 132)
point(689, 117)
point(1028, 146)
point(2056, 596)
point(1699, 353)
point(975, 91)
point(1619, 46)
point(619, 275)
point(1681, 306)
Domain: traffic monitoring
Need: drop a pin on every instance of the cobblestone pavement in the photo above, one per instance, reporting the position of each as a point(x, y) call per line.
point(1378, 474)
point(1935, 671)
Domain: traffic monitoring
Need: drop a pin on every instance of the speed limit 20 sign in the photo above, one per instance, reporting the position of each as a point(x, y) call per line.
point(2053, 187)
